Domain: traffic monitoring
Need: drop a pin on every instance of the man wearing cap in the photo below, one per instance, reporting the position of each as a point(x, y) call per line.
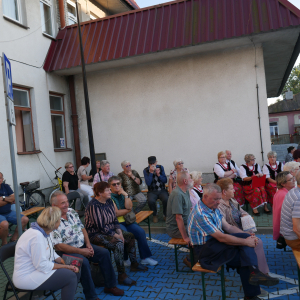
point(156, 179)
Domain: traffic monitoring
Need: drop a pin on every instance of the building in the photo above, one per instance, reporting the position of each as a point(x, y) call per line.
point(44, 131)
point(182, 79)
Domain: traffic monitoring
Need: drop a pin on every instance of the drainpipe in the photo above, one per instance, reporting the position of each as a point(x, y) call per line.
point(62, 13)
point(261, 144)
point(74, 120)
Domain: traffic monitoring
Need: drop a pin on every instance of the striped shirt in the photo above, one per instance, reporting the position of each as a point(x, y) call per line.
point(203, 222)
point(290, 209)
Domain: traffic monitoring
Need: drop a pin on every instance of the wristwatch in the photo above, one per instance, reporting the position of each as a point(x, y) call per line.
point(3, 198)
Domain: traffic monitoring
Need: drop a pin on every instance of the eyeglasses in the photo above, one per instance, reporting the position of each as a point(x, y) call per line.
point(180, 163)
point(292, 179)
point(70, 167)
point(222, 157)
point(252, 159)
point(115, 184)
point(128, 166)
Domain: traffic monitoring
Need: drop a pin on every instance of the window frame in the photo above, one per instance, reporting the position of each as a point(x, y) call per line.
point(24, 108)
point(50, 4)
point(18, 10)
point(273, 128)
point(61, 113)
point(71, 16)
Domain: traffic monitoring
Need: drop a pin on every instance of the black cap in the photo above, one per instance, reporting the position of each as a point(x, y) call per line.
point(151, 160)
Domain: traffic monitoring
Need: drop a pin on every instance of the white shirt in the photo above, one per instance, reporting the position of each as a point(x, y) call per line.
point(194, 197)
point(266, 169)
point(235, 166)
point(34, 258)
point(219, 171)
point(243, 171)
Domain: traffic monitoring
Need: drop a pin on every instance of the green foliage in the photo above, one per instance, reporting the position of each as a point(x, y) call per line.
point(293, 82)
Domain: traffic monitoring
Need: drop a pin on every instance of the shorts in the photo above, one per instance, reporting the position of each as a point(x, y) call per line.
point(10, 217)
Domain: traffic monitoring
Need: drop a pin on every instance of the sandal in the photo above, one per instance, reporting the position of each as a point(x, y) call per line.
point(256, 214)
point(268, 212)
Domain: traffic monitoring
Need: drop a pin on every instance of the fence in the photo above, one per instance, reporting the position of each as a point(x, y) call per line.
point(285, 139)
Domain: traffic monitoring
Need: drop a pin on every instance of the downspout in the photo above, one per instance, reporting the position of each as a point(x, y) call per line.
point(61, 6)
point(74, 120)
point(261, 144)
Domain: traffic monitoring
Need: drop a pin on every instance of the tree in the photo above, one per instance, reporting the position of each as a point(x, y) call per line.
point(293, 82)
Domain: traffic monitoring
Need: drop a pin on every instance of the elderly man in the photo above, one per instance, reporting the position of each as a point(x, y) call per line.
point(7, 215)
point(104, 173)
point(71, 238)
point(156, 179)
point(131, 182)
point(71, 183)
point(229, 160)
point(216, 243)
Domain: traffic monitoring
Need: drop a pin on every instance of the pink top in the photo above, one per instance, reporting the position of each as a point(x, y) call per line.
point(277, 204)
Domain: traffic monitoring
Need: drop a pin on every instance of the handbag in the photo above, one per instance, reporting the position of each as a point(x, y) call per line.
point(248, 224)
point(130, 218)
point(281, 243)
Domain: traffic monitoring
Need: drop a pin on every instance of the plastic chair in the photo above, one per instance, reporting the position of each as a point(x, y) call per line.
point(6, 252)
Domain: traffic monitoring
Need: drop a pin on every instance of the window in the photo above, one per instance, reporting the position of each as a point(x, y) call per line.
point(72, 18)
point(274, 128)
point(24, 126)
point(46, 18)
point(11, 9)
point(58, 121)
point(93, 16)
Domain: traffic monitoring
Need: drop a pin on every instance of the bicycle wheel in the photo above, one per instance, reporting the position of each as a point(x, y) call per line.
point(37, 198)
point(48, 203)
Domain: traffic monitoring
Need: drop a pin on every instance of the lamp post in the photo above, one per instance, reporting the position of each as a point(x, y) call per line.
point(86, 99)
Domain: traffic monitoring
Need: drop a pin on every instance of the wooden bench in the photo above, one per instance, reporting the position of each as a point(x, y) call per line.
point(144, 216)
point(180, 243)
point(32, 212)
point(197, 268)
point(297, 257)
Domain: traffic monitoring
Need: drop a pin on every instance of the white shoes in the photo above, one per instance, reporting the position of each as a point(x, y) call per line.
point(149, 261)
point(127, 263)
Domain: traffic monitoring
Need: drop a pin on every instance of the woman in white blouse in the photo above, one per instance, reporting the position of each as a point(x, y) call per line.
point(37, 266)
point(196, 192)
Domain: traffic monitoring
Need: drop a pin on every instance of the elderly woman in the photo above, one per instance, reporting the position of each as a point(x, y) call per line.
point(104, 174)
point(292, 167)
point(196, 192)
point(255, 196)
point(37, 266)
point(222, 169)
point(104, 230)
point(178, 164)
point(232, 212)
point(289, 156)
point(271, 169)
point(131, 182)
point(285, 182)
point(84, 178)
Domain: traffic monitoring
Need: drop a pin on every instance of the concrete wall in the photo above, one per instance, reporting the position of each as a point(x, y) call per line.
point(190, 108)
point(281, 150)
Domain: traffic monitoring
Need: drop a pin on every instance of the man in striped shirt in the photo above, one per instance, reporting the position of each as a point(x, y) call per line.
point(213, 247)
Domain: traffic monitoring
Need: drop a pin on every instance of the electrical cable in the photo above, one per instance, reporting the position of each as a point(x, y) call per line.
point(50, 162)
point(44, 167)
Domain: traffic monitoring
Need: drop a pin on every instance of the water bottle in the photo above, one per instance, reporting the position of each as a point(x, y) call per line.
point(157, 207)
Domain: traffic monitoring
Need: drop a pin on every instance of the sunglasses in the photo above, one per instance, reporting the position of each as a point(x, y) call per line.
point(115, 184)
point(128, 166)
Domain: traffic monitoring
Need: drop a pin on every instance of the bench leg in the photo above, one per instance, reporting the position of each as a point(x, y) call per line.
point(203, 286)
point(148, 221)
point(223, 283)
point(298, 277)
point(176, 258)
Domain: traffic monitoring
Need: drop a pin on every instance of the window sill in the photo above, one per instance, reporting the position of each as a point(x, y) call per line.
point(29, 152)
point(63, 150)
point(49, 36)
point(16, 22)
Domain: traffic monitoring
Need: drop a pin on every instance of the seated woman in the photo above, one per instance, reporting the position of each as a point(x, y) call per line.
point(104, 230)
point(285, 182)
point(255, 196)
point(292, 167)
point(104, 173)
point(178, 164)
point(271, 169)
point(227, 170)
point(37, 266)
point(84, 178)
point(232, 212)
point(123, 205)
point(196, 192)
point(289, 156)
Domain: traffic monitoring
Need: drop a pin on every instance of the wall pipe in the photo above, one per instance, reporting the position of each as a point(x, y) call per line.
point(61, 6)
point(261, 144)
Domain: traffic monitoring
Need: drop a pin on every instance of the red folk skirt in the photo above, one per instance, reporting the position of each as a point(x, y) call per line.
point(271, 189)
point(238, 193)
point(255, 196)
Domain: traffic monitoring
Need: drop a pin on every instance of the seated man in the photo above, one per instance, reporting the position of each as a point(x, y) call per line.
point(131, 182)
point(71, 183)
point(7, 215)
point(216, 243)
point(290, 216)
point(156, 179)
point(71, 238)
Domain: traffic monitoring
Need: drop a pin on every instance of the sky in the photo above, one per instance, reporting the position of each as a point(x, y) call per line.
point(145, 3)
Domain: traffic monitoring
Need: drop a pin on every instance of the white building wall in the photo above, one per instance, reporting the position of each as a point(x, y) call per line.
point(189, 108)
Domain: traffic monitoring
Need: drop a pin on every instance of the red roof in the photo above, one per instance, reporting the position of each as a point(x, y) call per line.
point(168, 26)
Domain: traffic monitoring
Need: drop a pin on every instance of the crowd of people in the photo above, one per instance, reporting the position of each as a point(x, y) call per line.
point(207, 217)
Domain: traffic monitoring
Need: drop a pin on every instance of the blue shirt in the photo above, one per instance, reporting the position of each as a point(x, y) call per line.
point(203, 222)
point(6, 191)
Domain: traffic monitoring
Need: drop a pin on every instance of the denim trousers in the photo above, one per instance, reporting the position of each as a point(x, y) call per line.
point(140, 236)
point(102, 257)
point(152, 197)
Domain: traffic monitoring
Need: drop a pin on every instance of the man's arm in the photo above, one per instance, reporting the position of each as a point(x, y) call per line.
point(9, 199)
point(235, 241)
point(67, 248)
point(182, 229)
point(162, 177)
point(296, 226)
point(66, 186)
point(148, 177)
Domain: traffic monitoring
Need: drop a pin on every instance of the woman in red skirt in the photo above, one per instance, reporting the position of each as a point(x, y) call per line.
point(255, 196)
point(271, 169)
point(222, 169)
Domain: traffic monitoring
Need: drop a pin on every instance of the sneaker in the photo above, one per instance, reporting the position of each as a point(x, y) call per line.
point(114, 291)
point(259, 278)
point(127, 263)
point(155, 219)
point(149, 261)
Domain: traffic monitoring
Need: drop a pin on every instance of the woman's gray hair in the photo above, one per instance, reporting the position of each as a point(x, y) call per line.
point(195, 175)
point(291, 166)
point(248, 157)
point(281, 179)
point(124, 163)
point(271, 153)
point(103, 163)
point(176, 161)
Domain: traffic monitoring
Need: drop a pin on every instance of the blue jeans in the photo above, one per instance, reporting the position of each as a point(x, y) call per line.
point(140, 236)
point(102, 257)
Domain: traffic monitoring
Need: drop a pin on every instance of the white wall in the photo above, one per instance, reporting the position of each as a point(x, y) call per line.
point(189, 108)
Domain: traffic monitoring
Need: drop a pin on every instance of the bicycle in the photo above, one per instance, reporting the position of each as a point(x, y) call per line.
point(57, 187)
point(32, 197)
